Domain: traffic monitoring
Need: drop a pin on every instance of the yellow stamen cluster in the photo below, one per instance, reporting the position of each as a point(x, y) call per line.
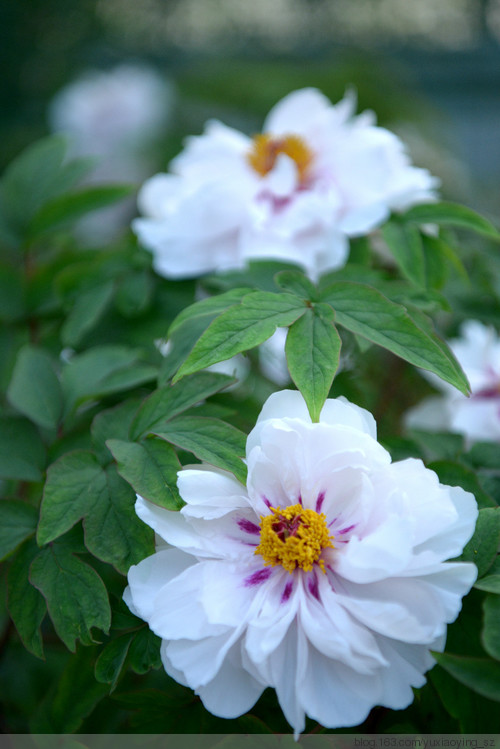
point(266, 149)
point(293, 537)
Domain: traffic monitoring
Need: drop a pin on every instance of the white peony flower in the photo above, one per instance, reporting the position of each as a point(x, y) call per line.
point(115, 116)
point(325, 577)
point(476, 417)
point(315, 176)
point(110, 111)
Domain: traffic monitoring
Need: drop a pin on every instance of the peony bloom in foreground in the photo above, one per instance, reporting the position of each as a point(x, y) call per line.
point(477, 417)
point(325, 578)
point(314, 177)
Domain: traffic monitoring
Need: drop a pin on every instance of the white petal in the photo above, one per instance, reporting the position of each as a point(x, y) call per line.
point(296, 112)
point(209, 493)
point(334, 695)
point(147, 578)
point(405, 609)
point(284, 670)
point(233, 691)
point(219, 538)
point(383, 553)
point(335, 634)
point(178, 611)
point(199, 660)
point(287, 404)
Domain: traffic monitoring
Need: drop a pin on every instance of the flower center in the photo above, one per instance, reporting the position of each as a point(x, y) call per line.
point(293, 537)
point(266, 149)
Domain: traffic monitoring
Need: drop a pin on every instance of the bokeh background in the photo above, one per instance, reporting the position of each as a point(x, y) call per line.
point(430, 70)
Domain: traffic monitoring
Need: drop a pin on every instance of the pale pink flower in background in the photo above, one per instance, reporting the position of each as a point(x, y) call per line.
point(105, 111)
point(115, 116)
point(316, 176)
point(325, 577)
point(476, 417)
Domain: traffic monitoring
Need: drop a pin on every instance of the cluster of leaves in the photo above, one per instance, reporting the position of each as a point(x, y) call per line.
point(92, 414)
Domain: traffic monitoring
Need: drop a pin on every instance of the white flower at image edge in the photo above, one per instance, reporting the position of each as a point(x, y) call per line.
point(477, 417)
point(325, 577)
point(314, 177)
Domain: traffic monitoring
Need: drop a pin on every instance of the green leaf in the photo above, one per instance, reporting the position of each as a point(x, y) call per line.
point(207, 309)
point(440, 446)
point(66, 703)
point(32, 179)
point(134, 293)
point(74, 484)
point(110, 662)
point(211, 440)
point(485, 454)
point(34, 389)
point(72, 206)
point(405, 244)
point(151, 469)
point(75, 595)
point(491, 627)
point(86, 312)
point(101, 371)
point(475, 713)
point(491, 582)
point(169, 401)
point(439, 257)
point(78, 487)
point(480, 674)
point(450, 214)
point(144, 652)
point(113, 532)
point(483, 546)
point(12, 293)
point(112, 423)
point(313, 354)
point(17, 522)
point(25, 604)
point(297, 283)
point(22, 453)
point(257, 274)
point(242, 327)
point(366, 312)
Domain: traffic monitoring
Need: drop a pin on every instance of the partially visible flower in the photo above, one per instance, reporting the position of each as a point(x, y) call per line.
point(316, 176)
point(110, 111)
point(325, 577)
point(115, 116)
point(237, 366)
point(477, 417)
point(272, 359)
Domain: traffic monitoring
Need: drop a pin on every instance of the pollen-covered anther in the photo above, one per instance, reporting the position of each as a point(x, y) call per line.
point(294, 537)
point(266, 149)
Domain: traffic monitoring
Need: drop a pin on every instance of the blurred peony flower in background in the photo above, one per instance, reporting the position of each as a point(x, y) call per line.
point(325, 577)
point(476, 417)
point(115, 116)
point(316, 176)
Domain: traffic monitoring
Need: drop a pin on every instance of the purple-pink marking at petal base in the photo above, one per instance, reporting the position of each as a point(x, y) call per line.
point(319, 501)
point(312, 584)
point(248, 526)
point(287, 592)
point(256, 578)
point(266, 501)
point(346, 530)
